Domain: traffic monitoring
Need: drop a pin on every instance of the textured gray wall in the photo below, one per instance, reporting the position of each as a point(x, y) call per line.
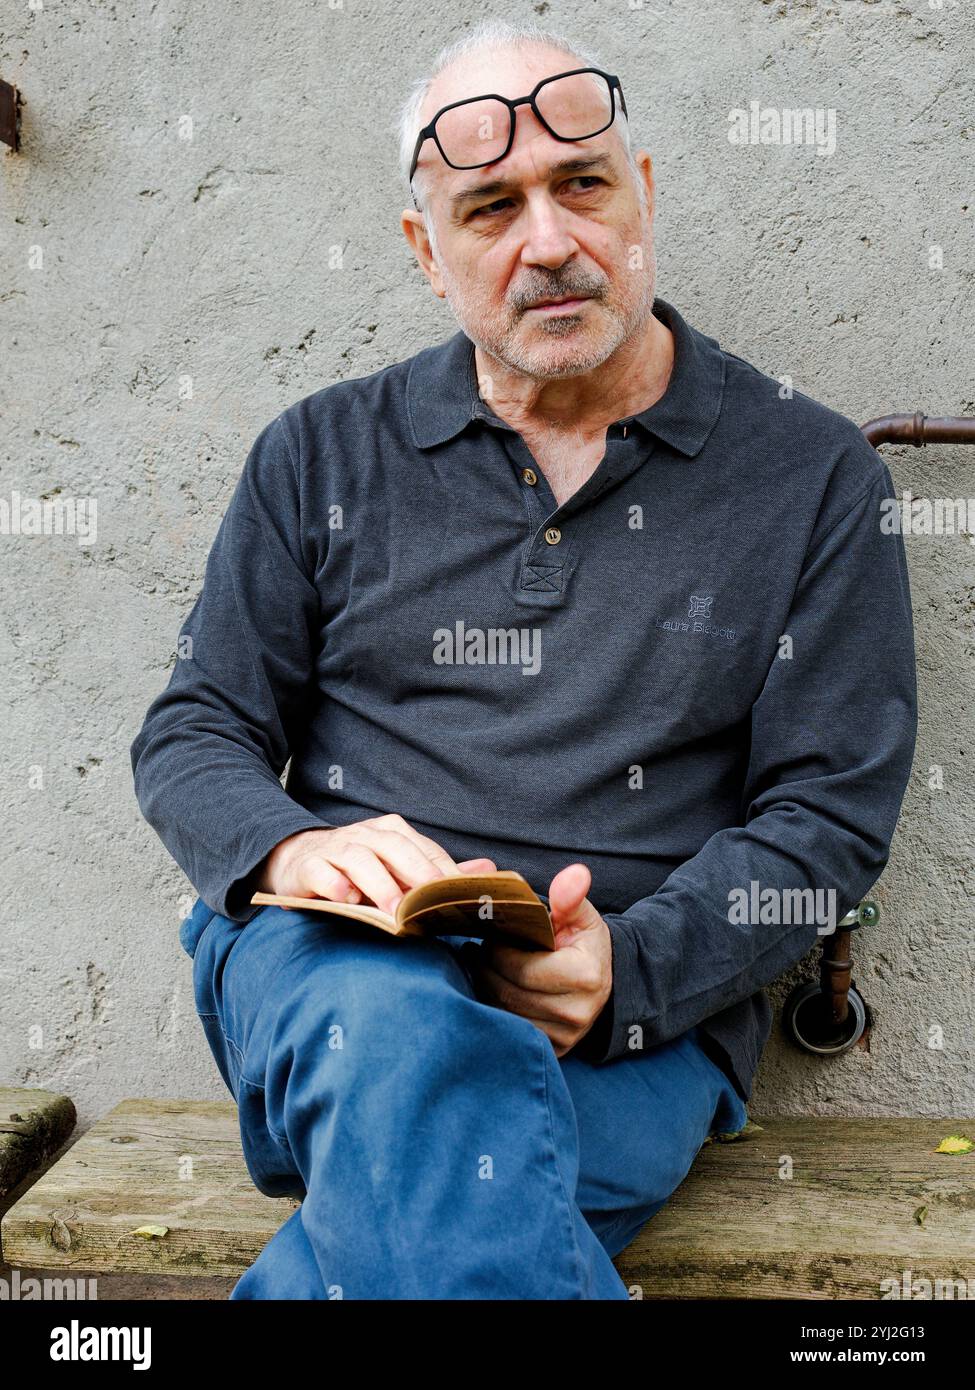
point(263, 259)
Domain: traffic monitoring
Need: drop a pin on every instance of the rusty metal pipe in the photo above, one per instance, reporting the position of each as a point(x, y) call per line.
point(918, 429)
point(835, 975)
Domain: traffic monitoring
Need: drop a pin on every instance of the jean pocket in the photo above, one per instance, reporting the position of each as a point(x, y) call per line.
point(192, 927)
point(226, 1054)
point(267, 1154)
point(730, 1112)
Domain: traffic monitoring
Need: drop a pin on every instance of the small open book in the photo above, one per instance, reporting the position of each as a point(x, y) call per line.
point(490, 904)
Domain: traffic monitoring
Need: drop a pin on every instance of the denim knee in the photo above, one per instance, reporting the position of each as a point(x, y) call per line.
point(372, 1025)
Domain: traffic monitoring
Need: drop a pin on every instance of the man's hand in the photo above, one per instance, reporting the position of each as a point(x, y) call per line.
point(371, 860)
point(563, 991)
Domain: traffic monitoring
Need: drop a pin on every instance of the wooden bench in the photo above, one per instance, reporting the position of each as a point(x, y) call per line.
point(33, 1126)
point(166, 1163)
point(866, 1200)
point(814, 1207)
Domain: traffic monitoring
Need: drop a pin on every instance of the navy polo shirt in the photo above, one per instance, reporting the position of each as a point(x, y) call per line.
point(695, 675)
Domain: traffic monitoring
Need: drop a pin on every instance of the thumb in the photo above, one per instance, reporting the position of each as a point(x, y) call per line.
point(570, 909)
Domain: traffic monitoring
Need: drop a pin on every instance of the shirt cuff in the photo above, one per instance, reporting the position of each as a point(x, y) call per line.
point(232, 899)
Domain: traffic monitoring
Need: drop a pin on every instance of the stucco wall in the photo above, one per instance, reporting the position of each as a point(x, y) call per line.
point(262, 259)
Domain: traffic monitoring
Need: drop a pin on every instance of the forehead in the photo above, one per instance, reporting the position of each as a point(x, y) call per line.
point(510, 72)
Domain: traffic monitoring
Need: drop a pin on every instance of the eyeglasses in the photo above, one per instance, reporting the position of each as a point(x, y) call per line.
point(480, 130)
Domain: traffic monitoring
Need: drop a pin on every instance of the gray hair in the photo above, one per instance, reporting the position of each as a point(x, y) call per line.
point(489, 33)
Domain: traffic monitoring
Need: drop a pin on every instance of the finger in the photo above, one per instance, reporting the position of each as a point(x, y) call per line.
point(316, 876)
point(435, 853)
point(568, 889)
point(405, 859)
point(362, 868)
point(527, 1003)
point(548, 972)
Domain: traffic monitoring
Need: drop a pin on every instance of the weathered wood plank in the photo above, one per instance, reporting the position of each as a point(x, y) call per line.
point(161, 1162)
point(33, 1125)
point(867, 1199)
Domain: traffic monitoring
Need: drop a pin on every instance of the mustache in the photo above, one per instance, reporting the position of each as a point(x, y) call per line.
point(574, 288)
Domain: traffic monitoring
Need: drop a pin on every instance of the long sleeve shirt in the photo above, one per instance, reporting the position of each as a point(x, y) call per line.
point(695, 675)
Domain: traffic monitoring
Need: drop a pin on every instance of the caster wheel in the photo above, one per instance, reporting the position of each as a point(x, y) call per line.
point(807, 1021)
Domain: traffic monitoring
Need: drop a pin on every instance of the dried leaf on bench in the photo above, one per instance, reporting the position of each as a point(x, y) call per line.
point(955, 1144)
point(731, 1135)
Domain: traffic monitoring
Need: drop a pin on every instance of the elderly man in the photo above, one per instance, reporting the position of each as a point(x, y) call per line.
point(719, 708)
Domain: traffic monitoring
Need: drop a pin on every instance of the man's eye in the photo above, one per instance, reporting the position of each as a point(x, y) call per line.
point(501, 204)
point(487, 208)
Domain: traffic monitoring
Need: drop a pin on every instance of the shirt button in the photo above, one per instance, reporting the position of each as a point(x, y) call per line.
point(553, 535)
point(530, 476)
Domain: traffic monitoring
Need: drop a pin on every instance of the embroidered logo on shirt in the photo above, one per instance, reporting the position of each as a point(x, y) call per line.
point(697, 621)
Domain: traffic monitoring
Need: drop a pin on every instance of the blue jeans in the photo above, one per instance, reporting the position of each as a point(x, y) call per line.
point(439, 1146)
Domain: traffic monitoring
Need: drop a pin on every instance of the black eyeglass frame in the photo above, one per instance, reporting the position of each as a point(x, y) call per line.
point(430, 131)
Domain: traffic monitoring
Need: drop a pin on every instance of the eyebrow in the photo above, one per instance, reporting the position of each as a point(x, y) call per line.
point(578, 165)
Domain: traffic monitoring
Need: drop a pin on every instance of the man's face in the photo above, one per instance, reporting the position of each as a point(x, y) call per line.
point(549, 220)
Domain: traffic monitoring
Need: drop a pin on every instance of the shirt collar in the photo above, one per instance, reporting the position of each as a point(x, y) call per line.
point(442, 395)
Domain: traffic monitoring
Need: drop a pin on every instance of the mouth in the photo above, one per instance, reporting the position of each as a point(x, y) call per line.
point(567, 304)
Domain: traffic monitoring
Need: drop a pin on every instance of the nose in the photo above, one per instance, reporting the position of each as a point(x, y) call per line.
point(548, 241)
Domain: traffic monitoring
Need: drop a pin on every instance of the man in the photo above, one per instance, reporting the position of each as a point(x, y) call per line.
point(705, 691)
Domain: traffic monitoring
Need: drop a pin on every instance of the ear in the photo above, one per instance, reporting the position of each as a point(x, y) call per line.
point(645, 165)
point(416, 234)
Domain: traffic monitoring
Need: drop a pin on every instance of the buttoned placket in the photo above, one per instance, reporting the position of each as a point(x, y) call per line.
point(553, 529)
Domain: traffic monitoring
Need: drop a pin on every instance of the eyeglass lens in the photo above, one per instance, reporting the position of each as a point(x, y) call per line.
point(574, 107)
